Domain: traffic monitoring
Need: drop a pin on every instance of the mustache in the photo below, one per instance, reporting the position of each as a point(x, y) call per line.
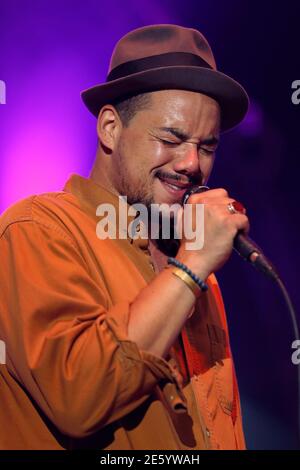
point(196, 180)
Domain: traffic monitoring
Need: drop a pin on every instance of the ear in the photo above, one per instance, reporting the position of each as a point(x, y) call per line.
point(109, 127)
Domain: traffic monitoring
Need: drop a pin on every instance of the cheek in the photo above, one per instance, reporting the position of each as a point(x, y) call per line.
point(158, 155)
point(149, 157)
point(142, 155)
point(206, 166)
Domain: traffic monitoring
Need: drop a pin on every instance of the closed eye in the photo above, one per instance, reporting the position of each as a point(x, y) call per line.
point(202, 149)
point(168, 142)
point(208, 151)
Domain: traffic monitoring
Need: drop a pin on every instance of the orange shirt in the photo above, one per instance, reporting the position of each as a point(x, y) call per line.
point(71, 377)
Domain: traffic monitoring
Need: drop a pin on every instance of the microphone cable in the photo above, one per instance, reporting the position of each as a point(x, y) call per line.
point(251, 253)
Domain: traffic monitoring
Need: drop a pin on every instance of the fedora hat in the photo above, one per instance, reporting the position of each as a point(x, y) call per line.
point(164, 57)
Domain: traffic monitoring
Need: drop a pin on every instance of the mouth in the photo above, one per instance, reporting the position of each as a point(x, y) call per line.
point(173, 187)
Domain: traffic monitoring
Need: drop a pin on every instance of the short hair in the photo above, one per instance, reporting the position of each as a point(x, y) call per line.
point(127, 108)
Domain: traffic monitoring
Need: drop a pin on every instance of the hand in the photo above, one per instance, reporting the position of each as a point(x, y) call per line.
point(220, 228)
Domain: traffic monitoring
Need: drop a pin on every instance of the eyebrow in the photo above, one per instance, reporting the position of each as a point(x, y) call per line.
point(211, 140)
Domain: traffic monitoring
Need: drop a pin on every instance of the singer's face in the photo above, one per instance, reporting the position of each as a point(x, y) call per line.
point(167, 147)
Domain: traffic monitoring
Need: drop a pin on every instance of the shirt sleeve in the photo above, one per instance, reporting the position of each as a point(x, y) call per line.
point(64, 345)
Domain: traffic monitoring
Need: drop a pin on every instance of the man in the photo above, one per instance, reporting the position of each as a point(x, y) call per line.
point(106, 347)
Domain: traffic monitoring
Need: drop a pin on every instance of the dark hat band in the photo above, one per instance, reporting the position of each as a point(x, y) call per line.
point(161, 60)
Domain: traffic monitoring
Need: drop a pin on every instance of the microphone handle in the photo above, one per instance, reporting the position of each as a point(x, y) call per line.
point(242, 244)
point(250, 251)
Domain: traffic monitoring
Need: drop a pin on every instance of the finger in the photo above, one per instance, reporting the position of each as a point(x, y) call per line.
point(217, 192)
point(215, 200)
point(238, 222)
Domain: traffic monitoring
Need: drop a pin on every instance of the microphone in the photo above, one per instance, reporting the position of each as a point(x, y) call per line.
point(242, 244)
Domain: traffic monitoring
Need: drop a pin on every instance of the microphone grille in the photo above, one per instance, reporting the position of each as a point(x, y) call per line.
point(193, 190)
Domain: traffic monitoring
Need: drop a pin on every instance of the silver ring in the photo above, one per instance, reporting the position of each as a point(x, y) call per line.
point(231, 208)
point(236, 207)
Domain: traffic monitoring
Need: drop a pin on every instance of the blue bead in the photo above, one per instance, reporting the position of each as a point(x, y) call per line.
point(195, 278)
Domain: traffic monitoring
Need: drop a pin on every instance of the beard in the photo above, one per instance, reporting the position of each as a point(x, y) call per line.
point(140, 191)
point(142, 194)
point(137, 193)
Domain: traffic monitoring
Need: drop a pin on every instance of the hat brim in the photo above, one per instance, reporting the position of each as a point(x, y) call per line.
point(230, 95)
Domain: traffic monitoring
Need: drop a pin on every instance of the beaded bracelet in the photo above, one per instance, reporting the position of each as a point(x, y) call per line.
point(184, 268)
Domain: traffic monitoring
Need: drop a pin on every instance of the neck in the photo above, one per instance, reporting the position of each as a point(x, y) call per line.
point(99, 174)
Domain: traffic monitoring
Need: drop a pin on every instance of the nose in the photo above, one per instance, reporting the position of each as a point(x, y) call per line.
point(188, 161)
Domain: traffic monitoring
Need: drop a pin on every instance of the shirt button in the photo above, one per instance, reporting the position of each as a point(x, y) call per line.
point(207, 432)
point(152, 266)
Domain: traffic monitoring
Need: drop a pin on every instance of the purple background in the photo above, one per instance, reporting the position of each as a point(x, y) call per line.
point(50, 51)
